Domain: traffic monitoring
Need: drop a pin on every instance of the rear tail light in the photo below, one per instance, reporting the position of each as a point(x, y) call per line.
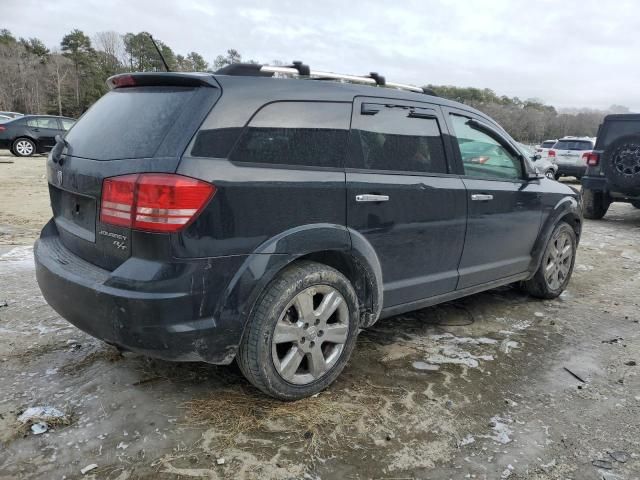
point(551, 153)
point(593, 159)
point(154, 202)
point(2, 129)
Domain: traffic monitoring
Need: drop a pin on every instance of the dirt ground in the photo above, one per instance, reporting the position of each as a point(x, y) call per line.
point(497, 385)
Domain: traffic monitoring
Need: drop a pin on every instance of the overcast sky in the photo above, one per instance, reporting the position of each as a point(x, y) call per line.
point(575, 53)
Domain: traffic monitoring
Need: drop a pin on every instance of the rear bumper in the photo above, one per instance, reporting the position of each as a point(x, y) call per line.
point(572, 170)
point(163, 310)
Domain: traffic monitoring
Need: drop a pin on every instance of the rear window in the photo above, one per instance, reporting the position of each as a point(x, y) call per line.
point(128, 122)
point(574, 145)
point(619, 128)
point(310, 134)
point(548, 144)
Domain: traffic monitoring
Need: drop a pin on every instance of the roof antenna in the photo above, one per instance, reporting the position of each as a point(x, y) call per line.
point(159, 53)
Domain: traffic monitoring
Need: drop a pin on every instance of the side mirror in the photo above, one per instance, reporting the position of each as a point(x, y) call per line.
point(535, 175)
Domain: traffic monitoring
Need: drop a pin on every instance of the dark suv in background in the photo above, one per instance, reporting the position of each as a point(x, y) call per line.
point(613, 169)
point(30, 134)
point(268, 220)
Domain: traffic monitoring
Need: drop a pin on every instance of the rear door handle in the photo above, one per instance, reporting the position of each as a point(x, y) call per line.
point(481, 197)
point(370, 197)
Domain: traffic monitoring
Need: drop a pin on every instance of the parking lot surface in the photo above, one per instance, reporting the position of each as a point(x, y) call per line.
point(497, 385)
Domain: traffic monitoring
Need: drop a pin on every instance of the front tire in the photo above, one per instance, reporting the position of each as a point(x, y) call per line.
point(556, 267)
point(23, 147)
point(594, 204)
point(301, 332)
point(550, 174)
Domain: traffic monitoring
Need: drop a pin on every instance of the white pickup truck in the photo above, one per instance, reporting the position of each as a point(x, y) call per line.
point(570, 154)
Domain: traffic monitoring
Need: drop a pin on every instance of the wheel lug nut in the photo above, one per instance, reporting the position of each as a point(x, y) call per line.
point(312, 344)
point(302, 340)
point(320, 333)
point(317, 321)
point(306, 325)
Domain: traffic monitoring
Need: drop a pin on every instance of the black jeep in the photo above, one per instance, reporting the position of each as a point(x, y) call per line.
point(613, 169)
point(239, 216)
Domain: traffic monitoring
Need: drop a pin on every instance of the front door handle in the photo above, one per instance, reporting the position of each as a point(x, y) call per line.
point(481, 197)
point(370, 197)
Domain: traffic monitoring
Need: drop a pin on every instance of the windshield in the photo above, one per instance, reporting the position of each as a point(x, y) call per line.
point(127, 123)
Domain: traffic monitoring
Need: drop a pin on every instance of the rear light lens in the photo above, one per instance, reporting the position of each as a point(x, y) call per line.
point(153, 202)
point(593, 159)
point(123, 81)
point(2, 129)
point(551, 153)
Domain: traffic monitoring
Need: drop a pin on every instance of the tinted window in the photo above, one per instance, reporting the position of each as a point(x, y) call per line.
point(573, 145)
point(619, 128)
point(548, 144)
point(43, 122)
point(296, 133)
point(128, 122)
point(482, 155)
point(397, 138)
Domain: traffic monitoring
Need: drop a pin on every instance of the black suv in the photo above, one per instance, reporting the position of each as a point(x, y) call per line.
point(30, 134)
point(613, 169)
point(226, 216)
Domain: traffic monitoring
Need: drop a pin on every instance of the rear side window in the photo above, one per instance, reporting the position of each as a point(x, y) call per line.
point(310, 134)
point(617, 129)
point(578, 145)
point(128, 122)
point(397, 138)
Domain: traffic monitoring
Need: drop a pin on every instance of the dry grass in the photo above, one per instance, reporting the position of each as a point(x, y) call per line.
point(236, 411)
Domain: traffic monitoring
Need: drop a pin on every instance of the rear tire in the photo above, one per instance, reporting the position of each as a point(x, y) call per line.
point(301, 332)
point(557, 176)
point(594, 204)
point(550, 174)
point(23, 147)
point(556, 267)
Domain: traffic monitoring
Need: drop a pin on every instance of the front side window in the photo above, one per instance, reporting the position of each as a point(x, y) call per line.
point(310, 134)
point(397, 138)
point(43, 122)
point(482, 155)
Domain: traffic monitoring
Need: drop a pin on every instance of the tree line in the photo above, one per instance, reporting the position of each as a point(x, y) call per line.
point(68, 79)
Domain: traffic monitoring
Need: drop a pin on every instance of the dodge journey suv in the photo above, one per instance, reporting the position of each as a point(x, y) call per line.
point(241, 215)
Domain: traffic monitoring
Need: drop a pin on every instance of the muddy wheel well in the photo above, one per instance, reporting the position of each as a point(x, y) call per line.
point(574, 221)
point(357, 275)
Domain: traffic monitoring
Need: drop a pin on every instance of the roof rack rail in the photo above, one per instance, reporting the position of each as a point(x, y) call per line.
point(299, 69)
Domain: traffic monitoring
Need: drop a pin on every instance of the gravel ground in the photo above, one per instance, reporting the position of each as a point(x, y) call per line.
point(497, 385)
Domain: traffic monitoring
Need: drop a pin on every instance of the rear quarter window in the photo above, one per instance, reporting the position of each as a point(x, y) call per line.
point(310, 134)
point(128, 122)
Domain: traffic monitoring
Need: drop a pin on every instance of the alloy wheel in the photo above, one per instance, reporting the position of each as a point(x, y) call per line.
point(310, 335)
point(558, 260)
point(24, 148)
